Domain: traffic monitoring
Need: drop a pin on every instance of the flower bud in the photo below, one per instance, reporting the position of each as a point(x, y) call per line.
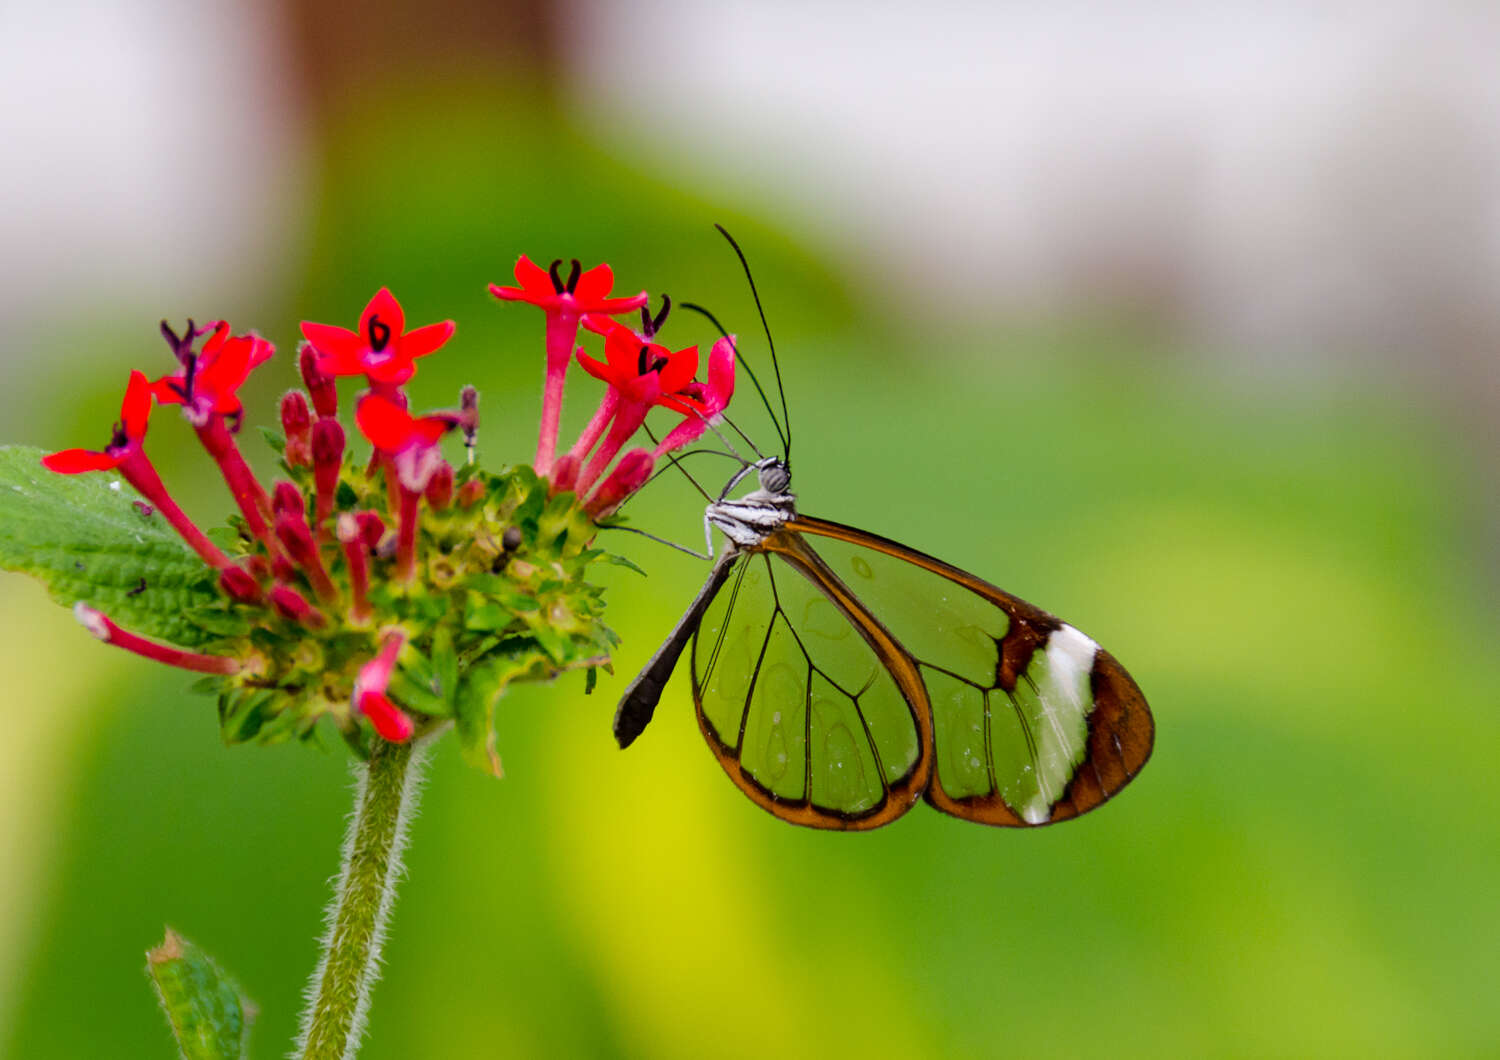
point(328, 461)
point(565, 473)
point(470, 493)
point(439, 491)
point(287, 499)
point(629, 475)
point(325, 395)
point(296, 421)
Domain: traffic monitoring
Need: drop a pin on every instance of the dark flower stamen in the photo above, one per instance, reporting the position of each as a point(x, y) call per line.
point(379, 334)
point(651, 325)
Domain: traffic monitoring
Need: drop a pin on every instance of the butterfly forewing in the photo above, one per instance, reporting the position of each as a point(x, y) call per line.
point(1031, 722)
point(812, 709)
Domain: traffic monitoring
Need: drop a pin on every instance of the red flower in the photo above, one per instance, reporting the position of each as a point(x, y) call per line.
point(564, 301)
point(702, 403)
point(382, 349)
point(645, 373)
point(581, 292)
point(411, 442)
point(209, 381)
point(130, 431)
point(370, 697)
point(640, 374)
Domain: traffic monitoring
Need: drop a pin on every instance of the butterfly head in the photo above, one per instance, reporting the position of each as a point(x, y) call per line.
point(775, 475)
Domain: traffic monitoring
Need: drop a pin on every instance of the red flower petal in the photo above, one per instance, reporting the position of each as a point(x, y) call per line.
point(424, 340)
point(227, 404)
point(392, 371)
point(595, 368)
point(220, 332)
point(594, 284)
point(429, 429)
point(77, 461)
point(345, 362)
point(384, 306)
point(387, 425)
point(679, 371)
point(228, 369)
point(599, 323)
point(721, 373)
point(166, 390)
point(535, 281)
point(619, 305)
point(333, 342)
point(260, 350)
point(135, 411)
point(622, 348)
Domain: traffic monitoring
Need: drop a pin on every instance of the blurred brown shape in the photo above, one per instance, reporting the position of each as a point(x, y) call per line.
point(343, 46)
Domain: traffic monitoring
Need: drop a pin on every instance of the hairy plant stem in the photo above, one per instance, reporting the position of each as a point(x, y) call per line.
point(338, 996)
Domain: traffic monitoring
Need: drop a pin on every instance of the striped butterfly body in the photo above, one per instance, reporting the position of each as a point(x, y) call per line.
point(840, 676)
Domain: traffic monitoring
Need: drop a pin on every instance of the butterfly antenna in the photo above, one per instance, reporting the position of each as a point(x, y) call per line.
point(653, 537)
point(677, 464)
point(659, 472)
point(721, 436)
point(775, 364)
point(747, 439)
point(740, 357)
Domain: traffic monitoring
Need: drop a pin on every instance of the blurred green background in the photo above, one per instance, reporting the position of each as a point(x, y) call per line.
point(1301, 578)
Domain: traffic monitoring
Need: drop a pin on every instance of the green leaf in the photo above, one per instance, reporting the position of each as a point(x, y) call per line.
point(84, 537)
point(480, 692)
point(209, 1016)
point(621, 561)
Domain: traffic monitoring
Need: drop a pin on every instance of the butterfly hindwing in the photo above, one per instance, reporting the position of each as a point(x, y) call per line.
point(1032, 722)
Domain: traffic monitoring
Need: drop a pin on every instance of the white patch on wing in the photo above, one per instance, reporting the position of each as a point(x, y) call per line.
point(1062, 688)
point(1070, 660)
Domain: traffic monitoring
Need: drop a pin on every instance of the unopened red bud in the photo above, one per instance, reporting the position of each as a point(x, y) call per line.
point(325, 395)
point(292, 605)
point(296, 421)
point(629, 475)
point(288, 499)
point(371, 529)
point(297, 539)
point(237, 583)
point(564, 473)
point(328, 461)
point(470, 493)
point(327, 443)
point(439, 492)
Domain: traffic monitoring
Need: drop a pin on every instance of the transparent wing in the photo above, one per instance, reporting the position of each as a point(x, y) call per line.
point(811, 708)
point(1032, 722)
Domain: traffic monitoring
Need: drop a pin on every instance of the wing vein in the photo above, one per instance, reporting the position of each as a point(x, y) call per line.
point(739, 743)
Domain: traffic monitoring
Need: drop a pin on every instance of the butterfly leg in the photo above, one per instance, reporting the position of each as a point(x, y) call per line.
point(638, 703)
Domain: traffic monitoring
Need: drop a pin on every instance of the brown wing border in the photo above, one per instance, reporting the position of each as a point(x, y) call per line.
point(1121, 730)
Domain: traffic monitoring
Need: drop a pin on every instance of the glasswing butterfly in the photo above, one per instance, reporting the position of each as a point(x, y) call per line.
point(840, 676)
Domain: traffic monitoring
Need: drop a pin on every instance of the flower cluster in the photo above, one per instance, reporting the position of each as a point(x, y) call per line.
point(396, 592)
